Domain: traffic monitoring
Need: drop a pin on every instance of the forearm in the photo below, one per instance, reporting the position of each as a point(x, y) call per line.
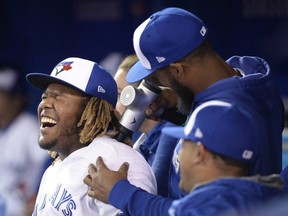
point(135, 201)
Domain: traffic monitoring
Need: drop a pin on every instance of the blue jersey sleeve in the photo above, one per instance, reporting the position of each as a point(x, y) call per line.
point(132, 200)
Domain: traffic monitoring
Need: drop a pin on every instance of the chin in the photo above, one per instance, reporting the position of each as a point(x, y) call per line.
point(184, 105)
point(184, 187)
point(46, 144)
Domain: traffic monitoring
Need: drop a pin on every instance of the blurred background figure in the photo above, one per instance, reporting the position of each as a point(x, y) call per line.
point(21, 159)
point(2, 207)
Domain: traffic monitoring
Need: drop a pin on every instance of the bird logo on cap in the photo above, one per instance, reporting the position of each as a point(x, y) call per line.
point(64, 66)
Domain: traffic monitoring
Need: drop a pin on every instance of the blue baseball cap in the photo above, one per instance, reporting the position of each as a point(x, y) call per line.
point(165, 37)
point(84, 75)
point(222, 128)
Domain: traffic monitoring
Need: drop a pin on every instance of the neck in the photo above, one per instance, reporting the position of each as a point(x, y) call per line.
point(210, 70)
point(64, 153)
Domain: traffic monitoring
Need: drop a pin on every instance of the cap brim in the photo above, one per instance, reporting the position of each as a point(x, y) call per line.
point(41, 81)
point(176, 132)
point(137, 73)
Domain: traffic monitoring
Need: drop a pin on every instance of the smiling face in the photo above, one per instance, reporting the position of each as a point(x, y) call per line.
point(59, 112)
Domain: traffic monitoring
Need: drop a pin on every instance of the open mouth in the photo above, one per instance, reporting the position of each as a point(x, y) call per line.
point(47, 122)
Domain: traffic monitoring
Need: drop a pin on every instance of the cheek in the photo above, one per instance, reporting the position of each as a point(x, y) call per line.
point(39, 108)
point(68, 121)
point(183, 175)
point(163, 81)
point(186, 168)
point(183, 162)
point(186, 159)
point(69, 115)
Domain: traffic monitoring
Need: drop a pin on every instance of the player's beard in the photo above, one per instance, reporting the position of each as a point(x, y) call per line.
point(185, 100)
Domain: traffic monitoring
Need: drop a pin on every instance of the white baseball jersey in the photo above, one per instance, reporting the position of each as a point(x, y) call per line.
point(21, 163)
point(62, 191)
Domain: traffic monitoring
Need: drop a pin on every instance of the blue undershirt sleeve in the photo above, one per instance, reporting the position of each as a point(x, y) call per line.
point(134, 201)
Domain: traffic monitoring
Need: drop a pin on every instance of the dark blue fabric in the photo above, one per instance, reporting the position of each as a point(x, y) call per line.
point(162, 159)
point(284, 175)
point(158, 149)
point(231, 196)
point(257, 94)
point(125, 196)
point(149, 147)
point(135, 136)
point(273, 208)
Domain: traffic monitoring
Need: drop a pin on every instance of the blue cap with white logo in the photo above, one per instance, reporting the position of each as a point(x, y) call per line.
point(84, 75)
point(222, 128)
point(165, 37)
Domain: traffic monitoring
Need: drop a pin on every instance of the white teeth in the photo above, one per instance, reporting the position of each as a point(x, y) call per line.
point(48, 120)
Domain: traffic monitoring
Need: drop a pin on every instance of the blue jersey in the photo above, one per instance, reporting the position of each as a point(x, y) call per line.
point(256, 93)
point(149, 146)
point(232, 196)
point(158, 149)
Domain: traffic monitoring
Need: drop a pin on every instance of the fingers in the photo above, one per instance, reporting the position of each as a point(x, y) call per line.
point(92, 169)
point(124, 169)
point(100, 163)
point(167, 99)
point(155, 106)
point(91, 192)
point(101, 179)
point(88, 180)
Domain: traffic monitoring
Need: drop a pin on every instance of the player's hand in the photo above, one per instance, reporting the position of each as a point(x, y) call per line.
point(101, 179)
point(167, 99)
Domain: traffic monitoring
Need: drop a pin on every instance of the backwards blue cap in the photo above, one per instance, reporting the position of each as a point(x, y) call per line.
point(165, 37)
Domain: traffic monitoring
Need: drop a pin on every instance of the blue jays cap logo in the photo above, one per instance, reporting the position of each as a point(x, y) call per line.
point(63, 66)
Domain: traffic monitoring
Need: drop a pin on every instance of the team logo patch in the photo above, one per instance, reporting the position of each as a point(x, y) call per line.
point(101, 89)
point(203, 31)
point(63, 66)
point(160, 59)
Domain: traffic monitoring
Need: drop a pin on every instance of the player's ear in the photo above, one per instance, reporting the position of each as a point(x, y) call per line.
point(202, 154)
point(177, 69)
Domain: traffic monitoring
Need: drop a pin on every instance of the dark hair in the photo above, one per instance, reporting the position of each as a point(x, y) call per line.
point(19, 87)
point(201, 51)
point(244, 167)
